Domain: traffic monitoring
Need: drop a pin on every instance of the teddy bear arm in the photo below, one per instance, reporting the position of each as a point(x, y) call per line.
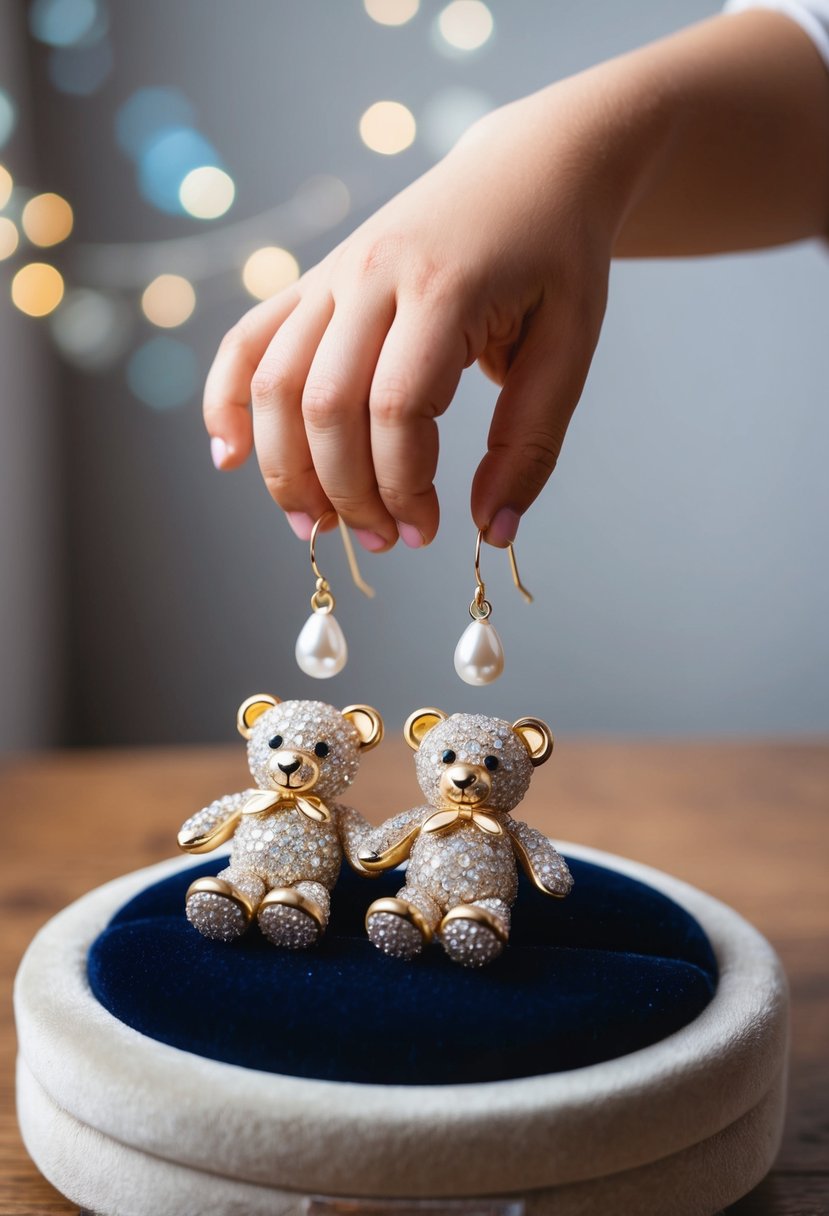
point(540, 860)
point(386, 846)
point(214, 824)
point(353, 831)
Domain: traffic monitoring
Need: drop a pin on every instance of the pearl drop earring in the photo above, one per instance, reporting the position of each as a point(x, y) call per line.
point(479, 655)
point(321, 649)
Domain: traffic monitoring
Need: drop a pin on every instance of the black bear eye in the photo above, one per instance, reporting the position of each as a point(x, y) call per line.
point(321, 749)
point(491, 762)
point(275, 742)
point(448, 757)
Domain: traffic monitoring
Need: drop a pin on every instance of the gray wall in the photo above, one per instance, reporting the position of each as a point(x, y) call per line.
point(678, 556)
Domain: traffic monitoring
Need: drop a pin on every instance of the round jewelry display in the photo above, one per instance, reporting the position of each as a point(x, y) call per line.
point(125, 1123)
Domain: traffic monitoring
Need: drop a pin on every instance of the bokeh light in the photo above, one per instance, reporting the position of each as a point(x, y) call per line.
point(207, 192)
point(391, 12)
point(465, 25)
point(37, 289)
point(142, 118)
point(47, 219)
point(448, 114)
point(166, 162)
point(168, 301)
point(388, 127)
point(91, 329)
point(163, 373)
point(9, 237)
point(6, 186)
point(322, 201)
point(80, 71)
point(8, 117)
point(62, 22)
point(268, 270)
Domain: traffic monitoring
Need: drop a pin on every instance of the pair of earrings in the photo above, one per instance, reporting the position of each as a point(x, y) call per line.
point(321, 648)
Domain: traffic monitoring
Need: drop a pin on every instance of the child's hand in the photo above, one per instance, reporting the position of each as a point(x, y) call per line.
point(500, 253)
point(712, 139)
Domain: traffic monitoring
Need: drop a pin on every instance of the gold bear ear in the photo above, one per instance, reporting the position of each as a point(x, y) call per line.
point(536, 737)
point(252, 709)
point(369, 725)
point(418, 725)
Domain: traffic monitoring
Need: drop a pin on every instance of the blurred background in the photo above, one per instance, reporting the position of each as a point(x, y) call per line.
point(162, 167)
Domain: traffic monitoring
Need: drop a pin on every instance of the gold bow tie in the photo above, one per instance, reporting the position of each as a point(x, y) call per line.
point(452, 817)
point(286, 800)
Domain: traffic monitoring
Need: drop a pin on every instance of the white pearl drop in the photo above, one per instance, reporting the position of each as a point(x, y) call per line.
point(321, 649)
point(479, 655)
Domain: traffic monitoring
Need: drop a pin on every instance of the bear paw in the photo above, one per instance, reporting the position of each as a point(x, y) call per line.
point(217, 909)
point(472, 936)
point(397, 928)
point(289, 919)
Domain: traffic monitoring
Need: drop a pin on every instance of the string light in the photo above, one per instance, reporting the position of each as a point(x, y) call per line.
point(388, 127)
point(9, 237)
point(391, 12)
point(268, 271)
point(37, 289)
point(8, 117)
point(168, 301)
point(91, 329)
point(465, 25)
point(63, 22)
point(163, 373)
point(47, 219)
point(6, 186)
point(207, 192)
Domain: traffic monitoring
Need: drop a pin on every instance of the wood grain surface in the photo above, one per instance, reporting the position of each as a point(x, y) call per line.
point(747, 822)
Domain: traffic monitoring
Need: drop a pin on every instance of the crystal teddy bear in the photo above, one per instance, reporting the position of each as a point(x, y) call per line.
point(287, 843)
point(462, 844)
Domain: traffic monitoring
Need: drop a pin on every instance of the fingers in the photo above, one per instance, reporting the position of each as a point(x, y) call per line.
point(540, 393)
point(276, 393)
point(416, 377)
point(227, 389)
point(335, 412)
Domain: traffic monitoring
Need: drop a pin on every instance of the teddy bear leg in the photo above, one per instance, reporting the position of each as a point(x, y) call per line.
point(401, 925)
point(296, 916)
point(475, 934)
point(221, 908)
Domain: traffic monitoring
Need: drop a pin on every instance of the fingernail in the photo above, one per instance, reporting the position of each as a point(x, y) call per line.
point(503, 527)
point(219, 451)
point(411, 536)
point(370, 540)
point(301, 524)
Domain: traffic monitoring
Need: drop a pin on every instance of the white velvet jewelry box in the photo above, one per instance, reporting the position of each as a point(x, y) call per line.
point(126, 1125)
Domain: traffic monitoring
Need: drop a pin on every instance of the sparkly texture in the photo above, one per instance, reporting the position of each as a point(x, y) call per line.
point(303, 724)
point(320, 751)
point(464, 865)
point(470, 943)
point(469, 735)
point(548, 866)
point(207, 820)
point(394, 935)
point(216, 916)
point(292, 927)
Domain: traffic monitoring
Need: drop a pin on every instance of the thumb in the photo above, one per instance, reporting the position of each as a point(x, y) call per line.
point(531, 416)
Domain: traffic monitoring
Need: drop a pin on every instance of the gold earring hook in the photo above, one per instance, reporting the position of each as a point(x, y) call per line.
point(480, 608)
point(323, 599)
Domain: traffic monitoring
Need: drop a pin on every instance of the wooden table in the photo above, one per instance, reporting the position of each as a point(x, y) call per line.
point(748, 822)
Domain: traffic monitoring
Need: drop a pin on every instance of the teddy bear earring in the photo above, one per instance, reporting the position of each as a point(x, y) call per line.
point(479, 655)
point(321, 649)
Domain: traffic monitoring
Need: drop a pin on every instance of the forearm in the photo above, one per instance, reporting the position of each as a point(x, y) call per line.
point(744, 157)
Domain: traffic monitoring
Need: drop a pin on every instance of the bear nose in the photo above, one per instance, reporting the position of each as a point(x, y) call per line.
point(287, 769)
point(463, 782)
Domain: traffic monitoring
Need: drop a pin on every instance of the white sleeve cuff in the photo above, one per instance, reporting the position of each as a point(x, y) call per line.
point(811, 15)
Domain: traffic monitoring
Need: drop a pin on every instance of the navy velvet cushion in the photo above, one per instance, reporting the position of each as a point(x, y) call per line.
point(613, 968)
